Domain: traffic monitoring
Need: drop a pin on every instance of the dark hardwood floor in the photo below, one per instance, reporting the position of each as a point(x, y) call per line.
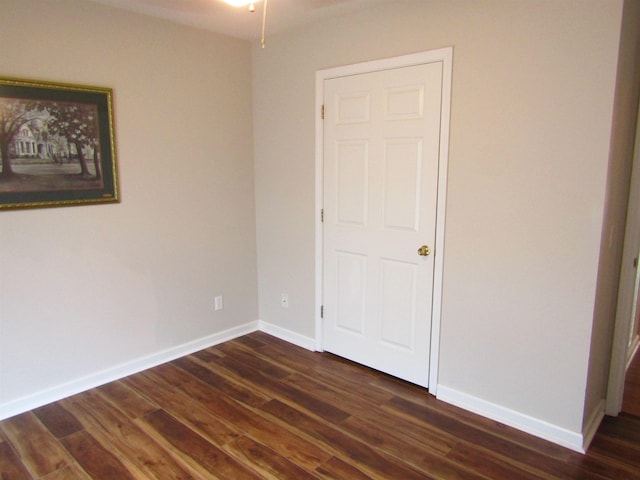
point(631, 399)
point(257, 407)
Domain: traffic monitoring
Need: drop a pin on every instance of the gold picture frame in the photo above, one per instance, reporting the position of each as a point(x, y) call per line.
point(57, 145)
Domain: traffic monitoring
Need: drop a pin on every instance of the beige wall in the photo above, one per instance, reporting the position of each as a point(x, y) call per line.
point(84, 289)
point(533, 90)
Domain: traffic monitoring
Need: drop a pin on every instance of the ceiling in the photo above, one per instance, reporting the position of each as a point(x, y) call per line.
point(217, 16)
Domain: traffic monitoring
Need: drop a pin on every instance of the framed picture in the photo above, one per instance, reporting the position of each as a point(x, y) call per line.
point(57, 145)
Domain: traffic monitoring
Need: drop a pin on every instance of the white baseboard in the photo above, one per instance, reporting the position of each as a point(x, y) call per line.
point(573, 440)
point(592, 424)
point(288, 336)
point(539, 428)
point(82, 384)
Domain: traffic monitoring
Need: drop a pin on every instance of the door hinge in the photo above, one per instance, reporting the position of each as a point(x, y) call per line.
point(321, 311)
point(322, 112)
point(322, 215)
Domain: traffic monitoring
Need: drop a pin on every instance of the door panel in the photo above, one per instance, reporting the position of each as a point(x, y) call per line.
point(401, 183)
point(351, 292)
point(352, 188)
point(381, 150)
point(398, 303)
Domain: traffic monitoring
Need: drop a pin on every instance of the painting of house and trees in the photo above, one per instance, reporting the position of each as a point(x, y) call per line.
point(56, 145)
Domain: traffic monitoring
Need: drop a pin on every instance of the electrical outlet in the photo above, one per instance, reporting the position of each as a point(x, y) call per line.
point(217, 303)
point(284, 300)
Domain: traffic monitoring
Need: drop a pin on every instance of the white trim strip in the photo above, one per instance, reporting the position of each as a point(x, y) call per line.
point(591, 427)
point(44, 397)
point(534, 426)
point(574, 441)
point(287, 335)
point(117, 372)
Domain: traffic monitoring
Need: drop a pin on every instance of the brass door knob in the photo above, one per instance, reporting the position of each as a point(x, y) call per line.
point(424, 251)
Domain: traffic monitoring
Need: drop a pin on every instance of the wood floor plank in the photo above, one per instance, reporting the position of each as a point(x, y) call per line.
point(240, 373)
point(129, 401)
point(493, 466)
point(337, 469)
point(96, 460)
point(10, 465)
point(272, 380)
point(233, 389)
point(488, 426)
point(258, 407)
point(437, 437)
point(418, 430)
point(624, 427)
point(350, 400)
point(324, 367)
point(252, 341)
point(181, 406)
point(285, 390)
point(493, 443)
point(374, 462)
point(594, 466)
point(207, 355)
point(285, 442)
point(311, 365)
point(351, 382)
point(248, 358)
point(36, 446)
point(365, 420)
point(113, 428)
point(70, 472)
point(266, 461)
point(508, 434)
point(212, 459)
point(429, 437)
point(58, 420)
point(398, 388)
point(384, 438)
point(620, 451)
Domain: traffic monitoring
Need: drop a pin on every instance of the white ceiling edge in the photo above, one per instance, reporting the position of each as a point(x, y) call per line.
point(219, 17)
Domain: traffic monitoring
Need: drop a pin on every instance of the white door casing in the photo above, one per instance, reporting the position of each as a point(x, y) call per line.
point(381, 166)
point(624, 338)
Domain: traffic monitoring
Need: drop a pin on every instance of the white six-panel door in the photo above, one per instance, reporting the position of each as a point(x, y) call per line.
point(381, 150)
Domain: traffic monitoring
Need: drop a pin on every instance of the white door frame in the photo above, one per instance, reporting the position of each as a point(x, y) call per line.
point(444, 55)
point(627, 290)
